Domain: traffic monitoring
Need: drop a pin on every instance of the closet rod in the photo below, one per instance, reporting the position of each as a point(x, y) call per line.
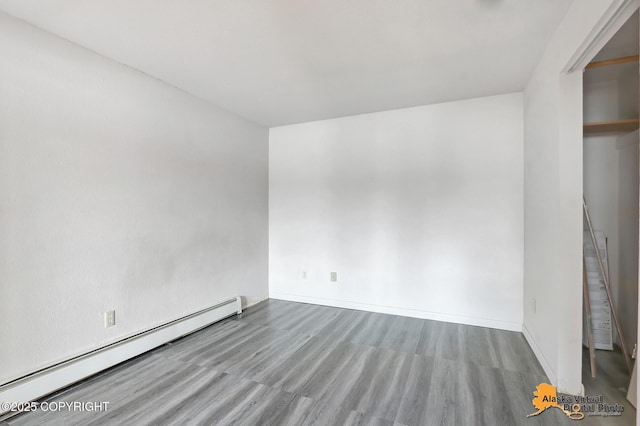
point(634, 58)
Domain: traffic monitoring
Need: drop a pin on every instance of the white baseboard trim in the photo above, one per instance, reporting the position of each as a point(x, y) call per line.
point(59, 376)
point(550, 372)
point(407, 312)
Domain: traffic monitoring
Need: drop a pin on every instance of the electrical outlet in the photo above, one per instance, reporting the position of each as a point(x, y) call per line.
point(304, 275)
point(533, 305)
point(109, 319)
point(334, 277)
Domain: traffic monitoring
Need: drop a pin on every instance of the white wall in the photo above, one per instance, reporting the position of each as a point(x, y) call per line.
point(627, 261)
point(120, 192)
point(611, 185)
point(553, 200)
point(601, 169)
point(419, 211)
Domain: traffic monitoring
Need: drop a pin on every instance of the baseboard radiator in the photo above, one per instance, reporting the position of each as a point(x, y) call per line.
point(41, 383)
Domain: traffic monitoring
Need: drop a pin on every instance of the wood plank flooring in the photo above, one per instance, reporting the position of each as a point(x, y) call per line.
point(285, 363)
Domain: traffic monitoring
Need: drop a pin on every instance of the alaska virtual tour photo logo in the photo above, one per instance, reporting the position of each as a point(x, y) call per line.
point(575, 407)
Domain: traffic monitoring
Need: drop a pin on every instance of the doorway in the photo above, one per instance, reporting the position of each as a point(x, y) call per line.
point(610, 179)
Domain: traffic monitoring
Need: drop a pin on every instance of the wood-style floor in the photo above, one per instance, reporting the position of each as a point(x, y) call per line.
point(284, 363)
point(612, 382)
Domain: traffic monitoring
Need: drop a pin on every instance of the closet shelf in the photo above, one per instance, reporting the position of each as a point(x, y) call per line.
point(634, 58)
point(613, 126)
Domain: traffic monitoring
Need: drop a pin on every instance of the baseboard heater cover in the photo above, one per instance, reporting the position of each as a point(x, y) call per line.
point(41, 383)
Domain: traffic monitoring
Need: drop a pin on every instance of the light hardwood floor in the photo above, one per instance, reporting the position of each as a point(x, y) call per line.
point(285, 363)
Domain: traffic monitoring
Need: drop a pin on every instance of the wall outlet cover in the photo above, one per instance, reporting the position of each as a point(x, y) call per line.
point(109, 319)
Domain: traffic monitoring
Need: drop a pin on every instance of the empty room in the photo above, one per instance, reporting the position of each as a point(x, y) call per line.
point(330, 213)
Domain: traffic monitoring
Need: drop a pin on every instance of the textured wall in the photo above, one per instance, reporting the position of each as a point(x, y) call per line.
point(419, 211)
point(120, 192)
point(553, 200)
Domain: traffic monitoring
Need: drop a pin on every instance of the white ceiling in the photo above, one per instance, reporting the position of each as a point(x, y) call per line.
point(286, 61)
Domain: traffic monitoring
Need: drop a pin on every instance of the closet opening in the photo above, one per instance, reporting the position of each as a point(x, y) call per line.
point(610, 178)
